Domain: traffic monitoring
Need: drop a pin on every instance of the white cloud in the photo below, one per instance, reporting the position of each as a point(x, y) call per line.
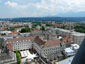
point(53, 5)
point(61, 5)
point(12, 4)
point(15, 4)
point(47, 7)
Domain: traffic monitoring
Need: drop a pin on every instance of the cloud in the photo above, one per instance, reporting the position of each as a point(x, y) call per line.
point(14, 4)
point(60, 5)
point(45, 7)
point(52, 5)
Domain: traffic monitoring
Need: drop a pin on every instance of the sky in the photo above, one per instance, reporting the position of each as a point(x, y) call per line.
point(39, 8)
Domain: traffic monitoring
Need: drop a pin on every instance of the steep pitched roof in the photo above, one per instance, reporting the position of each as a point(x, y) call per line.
point(39, 41)
point(10, 47)
point(50, 43)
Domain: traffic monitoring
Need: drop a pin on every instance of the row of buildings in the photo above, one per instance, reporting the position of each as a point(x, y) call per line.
point(49, 44)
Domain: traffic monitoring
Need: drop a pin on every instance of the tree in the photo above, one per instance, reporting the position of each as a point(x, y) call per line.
point(18, 57)
point(80, 28)
point(48, 24)
point(24, 30)
point(0, 46)
point(10, 29)
point(42, 28)
point(35, 25)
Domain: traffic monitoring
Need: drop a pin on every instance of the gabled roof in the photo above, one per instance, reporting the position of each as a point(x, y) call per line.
point(50, 43)
point(10, 47)
point(20, 39)
point(39, 41)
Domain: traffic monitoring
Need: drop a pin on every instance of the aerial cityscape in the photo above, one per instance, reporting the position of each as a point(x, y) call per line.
point(46, 42)
point(42, 31)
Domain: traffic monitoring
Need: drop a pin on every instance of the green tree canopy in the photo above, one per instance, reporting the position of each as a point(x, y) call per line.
point(42, 28)
point(80, 28)
point(18, 57)
point(24, 30)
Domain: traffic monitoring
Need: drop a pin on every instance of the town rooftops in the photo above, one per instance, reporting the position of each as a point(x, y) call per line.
point(69, 51)
point(48, 43)
point(20, 39)
point(67, 39)
point(10, 47)
point(73, 33)
point(39, 41)
point(78, 34)
point(13, 33)
point(66, 61)
point(5, 31)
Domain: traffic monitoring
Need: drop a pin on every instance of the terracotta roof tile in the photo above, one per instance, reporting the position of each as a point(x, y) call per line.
point(67, 39)
point(47, 43)
point(14, 33)
point(10, 47)
point(50, 43)
point(39, 41)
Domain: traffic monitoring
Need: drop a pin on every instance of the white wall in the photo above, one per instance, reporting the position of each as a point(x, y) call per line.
point(22, 45)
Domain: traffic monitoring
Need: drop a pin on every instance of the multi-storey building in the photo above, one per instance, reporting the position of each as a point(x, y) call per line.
point(45, 44)
point(45, 48)
point(20, 43)
point(76, 36)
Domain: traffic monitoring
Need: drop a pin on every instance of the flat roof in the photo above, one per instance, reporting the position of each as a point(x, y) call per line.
point(73, 33)
point(27, 54)
point(78, 34)
point(68, 50)
point(66, 61)
point(75, 46)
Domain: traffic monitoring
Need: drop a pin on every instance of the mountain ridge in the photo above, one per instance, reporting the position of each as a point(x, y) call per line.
point(45, 19)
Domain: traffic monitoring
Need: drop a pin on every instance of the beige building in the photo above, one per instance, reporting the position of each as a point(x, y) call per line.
point(20, 43)
point(76, 36)
point(45, 48)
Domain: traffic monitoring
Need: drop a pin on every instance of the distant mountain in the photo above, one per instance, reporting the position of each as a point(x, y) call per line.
point(72, 14)
point(74, 19)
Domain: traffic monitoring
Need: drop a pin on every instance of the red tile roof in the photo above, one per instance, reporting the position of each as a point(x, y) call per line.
point(47, 43)
point(10, 47)
point(50, 43)
point(55, 25)
point(14, 33)
point(39, 41)
point(67, 39)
